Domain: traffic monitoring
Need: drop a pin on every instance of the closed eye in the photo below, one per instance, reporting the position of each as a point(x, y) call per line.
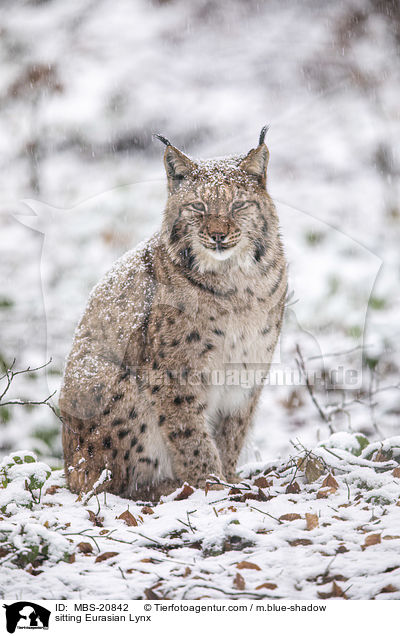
point(197, 206)
point(239, 205)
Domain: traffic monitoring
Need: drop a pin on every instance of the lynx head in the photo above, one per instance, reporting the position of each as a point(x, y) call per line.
point(218, 214)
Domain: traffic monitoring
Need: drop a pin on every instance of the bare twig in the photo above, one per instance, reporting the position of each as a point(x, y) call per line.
point(302, 368)
point(10, 374)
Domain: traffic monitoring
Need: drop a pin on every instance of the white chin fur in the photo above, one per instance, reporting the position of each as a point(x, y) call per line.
point(221, 256)
point(238, 256)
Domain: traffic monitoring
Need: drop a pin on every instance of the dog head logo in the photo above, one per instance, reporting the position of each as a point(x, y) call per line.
point(26, 615)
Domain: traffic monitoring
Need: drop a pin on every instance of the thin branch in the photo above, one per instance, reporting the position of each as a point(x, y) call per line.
point(10, 375)
point(310, 388)
point(339, 353)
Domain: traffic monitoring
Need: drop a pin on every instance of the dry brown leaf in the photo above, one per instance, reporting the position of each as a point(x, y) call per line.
point(146, 510)
point(388, 589)
point(247, 565)
point(293, 488)
point(186, 492)
point(330, 482)
point(336, 592)
point(391, 536)
point(268, 586)
point(341, 550)
point(300, 542)
point(396, 472)
point(381, 456)
point(314, 469)
point(71, 558)
point(262, 482)
point(52, 490)
point(290, 516)
point(128, 518)
point(95, 519)
point(312, 521)
point(325, 492)
point(105, 556)
point(150, 595)
point(84, 547)
point(235, 491)
point(239, 582)
point(187, 572)
point(371, 539)
point(231, 508)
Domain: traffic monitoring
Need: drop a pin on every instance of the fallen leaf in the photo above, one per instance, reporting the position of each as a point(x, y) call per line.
point(239, 582)
point(300, 542)
point(388, 589)
point(128, 518)
point(256, 497)
point(95, 519)
point(396, 472)
point(262, 482)
point(34, 572)
point(330, 482)
point(84, 547)
point(312, 521)
point(235, 491)
point(341, 549)
point(293, 488)
point(336, 592)
point(325, 492)
point(146, 510)
point(247, 565)
point(231, 508)
point(105, 556)
point(381, 456)
point(52, 489)
point(372, 539)
point(268, 586)
point(71, 558)
point(187, 572)
point(314, 469)
point(391, 536)
point(290, 516)
point(150, 595)
point(185, 492)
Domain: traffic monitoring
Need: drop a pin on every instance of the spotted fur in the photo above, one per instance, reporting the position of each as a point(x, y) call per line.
point(203, 296)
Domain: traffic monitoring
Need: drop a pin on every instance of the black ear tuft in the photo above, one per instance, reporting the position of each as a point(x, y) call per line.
point(164, 140)
point(263, 132)
point(256, 161)
point(177, 166)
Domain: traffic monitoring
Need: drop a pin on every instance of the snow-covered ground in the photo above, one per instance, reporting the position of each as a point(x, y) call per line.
point(288, 530)
point(83, 86)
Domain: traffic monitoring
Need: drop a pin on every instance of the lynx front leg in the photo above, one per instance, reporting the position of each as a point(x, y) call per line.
point(231, 433)
point(193, 451)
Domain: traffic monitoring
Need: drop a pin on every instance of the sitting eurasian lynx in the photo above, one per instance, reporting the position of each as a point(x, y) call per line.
point(149, 391)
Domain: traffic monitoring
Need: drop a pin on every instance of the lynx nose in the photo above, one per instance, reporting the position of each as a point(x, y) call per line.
point(218, 237)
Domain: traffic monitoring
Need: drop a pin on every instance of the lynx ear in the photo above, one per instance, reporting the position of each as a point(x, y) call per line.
point(256, 161)
point(177, 165)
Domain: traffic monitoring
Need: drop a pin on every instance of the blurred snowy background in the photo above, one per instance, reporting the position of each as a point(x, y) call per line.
point(83, 85)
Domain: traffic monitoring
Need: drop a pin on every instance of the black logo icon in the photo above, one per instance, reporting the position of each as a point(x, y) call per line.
point(26, 615)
